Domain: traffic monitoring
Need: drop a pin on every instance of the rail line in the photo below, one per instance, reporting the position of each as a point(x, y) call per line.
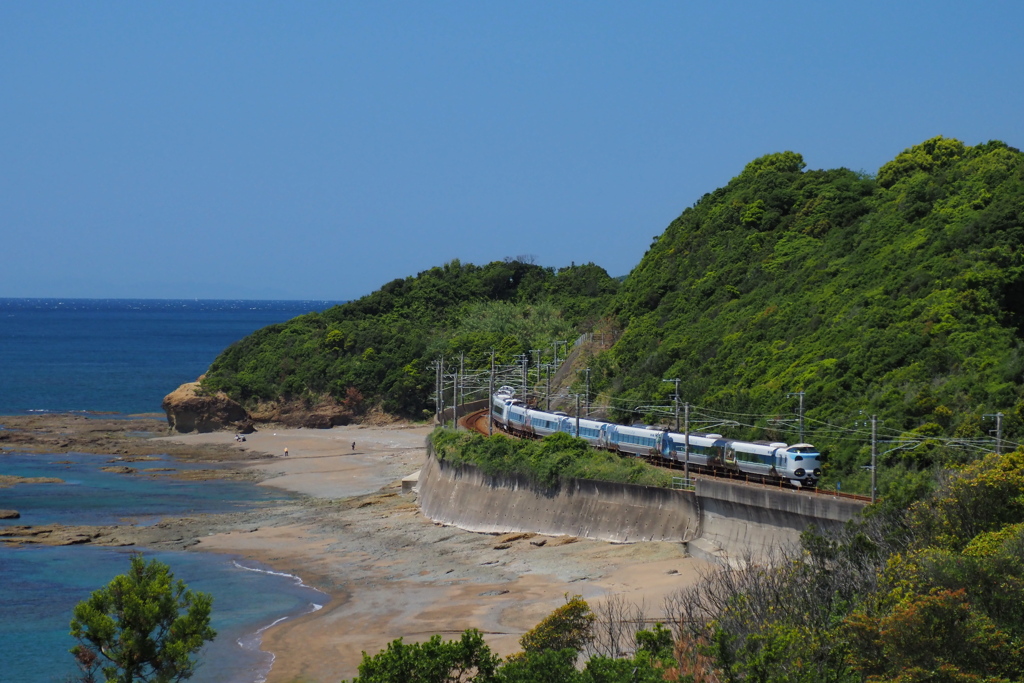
point(477, 421)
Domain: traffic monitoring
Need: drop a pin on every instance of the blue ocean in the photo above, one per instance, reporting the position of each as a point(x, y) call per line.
point(123, 357)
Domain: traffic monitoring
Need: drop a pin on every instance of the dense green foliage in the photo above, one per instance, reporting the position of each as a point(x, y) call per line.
point(546, 462)
point(899, 296)
point(379, 348)
point(935, 593)
point(551, 652)
point(143, 626)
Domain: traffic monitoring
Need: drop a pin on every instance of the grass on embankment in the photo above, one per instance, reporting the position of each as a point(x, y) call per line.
point(546, 462)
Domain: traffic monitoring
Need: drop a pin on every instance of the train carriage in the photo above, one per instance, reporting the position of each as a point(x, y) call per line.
point(591, 431)
point(705, 449)
point(799, 464)
point(635, 440)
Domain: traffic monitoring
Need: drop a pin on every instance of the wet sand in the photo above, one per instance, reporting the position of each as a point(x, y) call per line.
point(391, 572)
point(351, 532)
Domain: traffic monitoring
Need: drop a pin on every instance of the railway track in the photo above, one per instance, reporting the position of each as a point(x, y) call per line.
point(478, 422)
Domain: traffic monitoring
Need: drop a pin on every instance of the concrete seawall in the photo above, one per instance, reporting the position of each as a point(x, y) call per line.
point(746, 520)
point(720, 520)
point(469, 499)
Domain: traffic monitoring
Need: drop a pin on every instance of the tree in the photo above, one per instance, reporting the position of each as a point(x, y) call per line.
point(571, 626)
point(435, 661)
point(143, 626)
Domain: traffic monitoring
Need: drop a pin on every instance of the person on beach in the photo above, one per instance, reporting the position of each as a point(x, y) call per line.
point(286, 452)
point(353, 445)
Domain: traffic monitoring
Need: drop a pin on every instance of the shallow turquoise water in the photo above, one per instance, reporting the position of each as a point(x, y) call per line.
point(39, 588)
point(123, 356)
point(94, 497)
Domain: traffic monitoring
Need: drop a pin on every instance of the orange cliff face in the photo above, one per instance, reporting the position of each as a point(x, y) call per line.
point(188, 409)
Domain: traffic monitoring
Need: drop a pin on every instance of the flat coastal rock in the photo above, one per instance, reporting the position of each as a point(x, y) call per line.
point(9, 514)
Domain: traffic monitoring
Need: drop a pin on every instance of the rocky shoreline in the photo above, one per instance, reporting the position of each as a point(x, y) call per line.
point(350, 531)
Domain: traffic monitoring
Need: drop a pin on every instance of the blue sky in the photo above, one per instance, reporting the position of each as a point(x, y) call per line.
point(321, 149)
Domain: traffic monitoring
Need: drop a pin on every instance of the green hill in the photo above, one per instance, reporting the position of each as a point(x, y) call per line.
point(377, 350)
point(900, 295)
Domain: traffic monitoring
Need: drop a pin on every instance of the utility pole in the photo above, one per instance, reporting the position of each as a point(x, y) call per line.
point(874, 452)
point(999, 431)
point(675, 400)
point(577, 415)
point(547, 393)
point(455, 401)
point(440, 391)
point(537, 351)
point(686, 445)
point(586, 400)
point(556, 343)
point(801, 395)
point(490, 398)
point(462, 376)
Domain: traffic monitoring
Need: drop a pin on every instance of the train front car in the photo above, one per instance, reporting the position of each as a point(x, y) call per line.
point(803, 464)
point(500, 402)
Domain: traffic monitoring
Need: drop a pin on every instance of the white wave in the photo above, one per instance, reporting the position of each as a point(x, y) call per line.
point(255, 640)
point(297, 579)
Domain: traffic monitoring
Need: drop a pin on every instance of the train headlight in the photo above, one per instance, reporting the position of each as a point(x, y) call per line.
point(800, 472)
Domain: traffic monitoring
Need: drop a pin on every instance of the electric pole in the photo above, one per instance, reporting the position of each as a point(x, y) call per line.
point(547, 394)
point(675, 399)
point(586, 400)
point(577, 415)
point(874, 452)
point(999, 431)
point(490, 398)
point(686, 445)
point(437, 388)
point(801, 395)
point(455, 400)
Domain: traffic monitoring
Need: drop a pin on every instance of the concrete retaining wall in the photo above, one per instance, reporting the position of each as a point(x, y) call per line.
point(750, 520)
point(465, 497)
point(723, 521)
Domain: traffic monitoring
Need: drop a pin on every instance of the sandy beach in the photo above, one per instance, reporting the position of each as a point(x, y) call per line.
point(392, 573)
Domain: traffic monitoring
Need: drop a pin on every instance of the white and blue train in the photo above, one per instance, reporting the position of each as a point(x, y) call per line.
point(799, 464)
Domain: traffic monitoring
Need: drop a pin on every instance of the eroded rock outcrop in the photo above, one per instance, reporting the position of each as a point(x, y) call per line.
point(320, 413)
point(190, 410)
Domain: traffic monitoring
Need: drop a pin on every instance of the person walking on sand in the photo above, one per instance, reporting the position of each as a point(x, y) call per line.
point(353, 445)
point(286, 452)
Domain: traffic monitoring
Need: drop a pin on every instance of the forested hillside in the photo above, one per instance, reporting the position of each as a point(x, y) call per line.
point(900, 295)
point(377, 350)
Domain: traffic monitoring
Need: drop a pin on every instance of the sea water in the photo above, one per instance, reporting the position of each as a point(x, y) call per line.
point(118, 355)
point(123, 357)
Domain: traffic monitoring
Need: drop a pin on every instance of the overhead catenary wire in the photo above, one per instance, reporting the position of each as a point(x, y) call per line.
point(475, 384)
